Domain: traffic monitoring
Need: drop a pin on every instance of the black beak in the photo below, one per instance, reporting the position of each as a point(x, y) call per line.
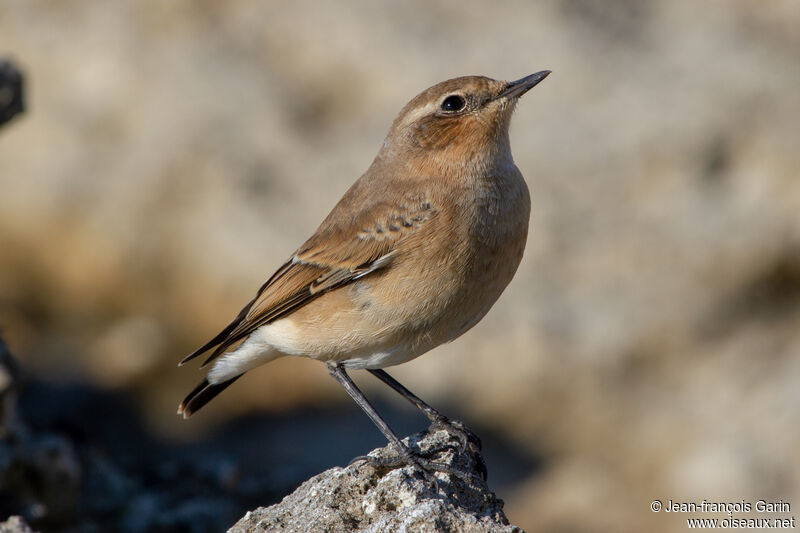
point(515, 89)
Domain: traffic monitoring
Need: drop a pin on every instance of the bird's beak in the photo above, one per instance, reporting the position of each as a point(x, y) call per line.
point(515, 89)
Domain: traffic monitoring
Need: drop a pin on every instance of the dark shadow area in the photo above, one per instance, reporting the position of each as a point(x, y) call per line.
point(306, 442)
point(79, 459)
point(12, 94)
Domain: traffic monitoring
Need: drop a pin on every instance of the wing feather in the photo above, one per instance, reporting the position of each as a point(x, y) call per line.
point(340, 252)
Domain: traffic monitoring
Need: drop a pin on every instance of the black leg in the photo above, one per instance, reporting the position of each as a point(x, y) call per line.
point(406, 455)
point(432, 414)
point(355, 393)
point(439, 420)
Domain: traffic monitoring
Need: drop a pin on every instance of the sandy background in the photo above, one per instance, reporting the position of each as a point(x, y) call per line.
point(175, 153)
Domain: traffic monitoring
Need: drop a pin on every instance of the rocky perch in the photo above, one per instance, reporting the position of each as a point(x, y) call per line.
point(365, 498)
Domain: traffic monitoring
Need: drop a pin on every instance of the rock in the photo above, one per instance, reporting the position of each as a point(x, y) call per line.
point(11, 91)
point(361, 497)
point(15, 524)
point(9, 389)
point(40, 472)
point(77, 459)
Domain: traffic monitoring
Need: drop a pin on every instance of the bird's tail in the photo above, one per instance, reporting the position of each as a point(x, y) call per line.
point(253, 352)
point(201, 395)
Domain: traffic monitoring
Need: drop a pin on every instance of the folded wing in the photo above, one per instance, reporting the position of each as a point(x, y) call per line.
point(336, 255)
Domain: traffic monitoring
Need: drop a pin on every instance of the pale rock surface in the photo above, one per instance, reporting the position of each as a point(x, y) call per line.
point(15, 524)
point(362, 498)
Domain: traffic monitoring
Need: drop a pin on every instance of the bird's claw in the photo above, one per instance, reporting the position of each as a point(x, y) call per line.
point(427, 467)
point(466, 437)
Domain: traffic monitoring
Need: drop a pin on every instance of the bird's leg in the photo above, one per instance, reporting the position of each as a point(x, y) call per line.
point(407, 456)
point(438, 420)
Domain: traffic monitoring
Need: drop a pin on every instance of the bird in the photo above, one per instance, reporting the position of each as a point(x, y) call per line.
point(413, 255)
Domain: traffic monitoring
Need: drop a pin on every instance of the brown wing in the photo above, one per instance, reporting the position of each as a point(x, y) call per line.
point(336, 255)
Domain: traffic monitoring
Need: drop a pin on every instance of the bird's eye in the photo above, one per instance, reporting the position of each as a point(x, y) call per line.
point(453, 103)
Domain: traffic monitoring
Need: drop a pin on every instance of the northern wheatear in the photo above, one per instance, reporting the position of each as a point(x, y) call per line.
point(414, 254)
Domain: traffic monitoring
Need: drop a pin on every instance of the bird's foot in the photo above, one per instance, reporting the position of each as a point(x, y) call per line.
point(469, 446)
point(419, 461)
point(468, 439)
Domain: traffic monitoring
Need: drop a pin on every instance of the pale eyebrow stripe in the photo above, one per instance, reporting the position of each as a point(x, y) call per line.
point(420, 112)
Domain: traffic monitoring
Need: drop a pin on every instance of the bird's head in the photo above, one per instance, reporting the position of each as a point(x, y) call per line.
point(459, 120)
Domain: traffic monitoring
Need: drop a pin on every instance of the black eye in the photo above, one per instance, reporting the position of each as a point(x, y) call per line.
point(453, 103)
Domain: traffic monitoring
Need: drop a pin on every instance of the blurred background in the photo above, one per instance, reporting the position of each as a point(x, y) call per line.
point(173, 154)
